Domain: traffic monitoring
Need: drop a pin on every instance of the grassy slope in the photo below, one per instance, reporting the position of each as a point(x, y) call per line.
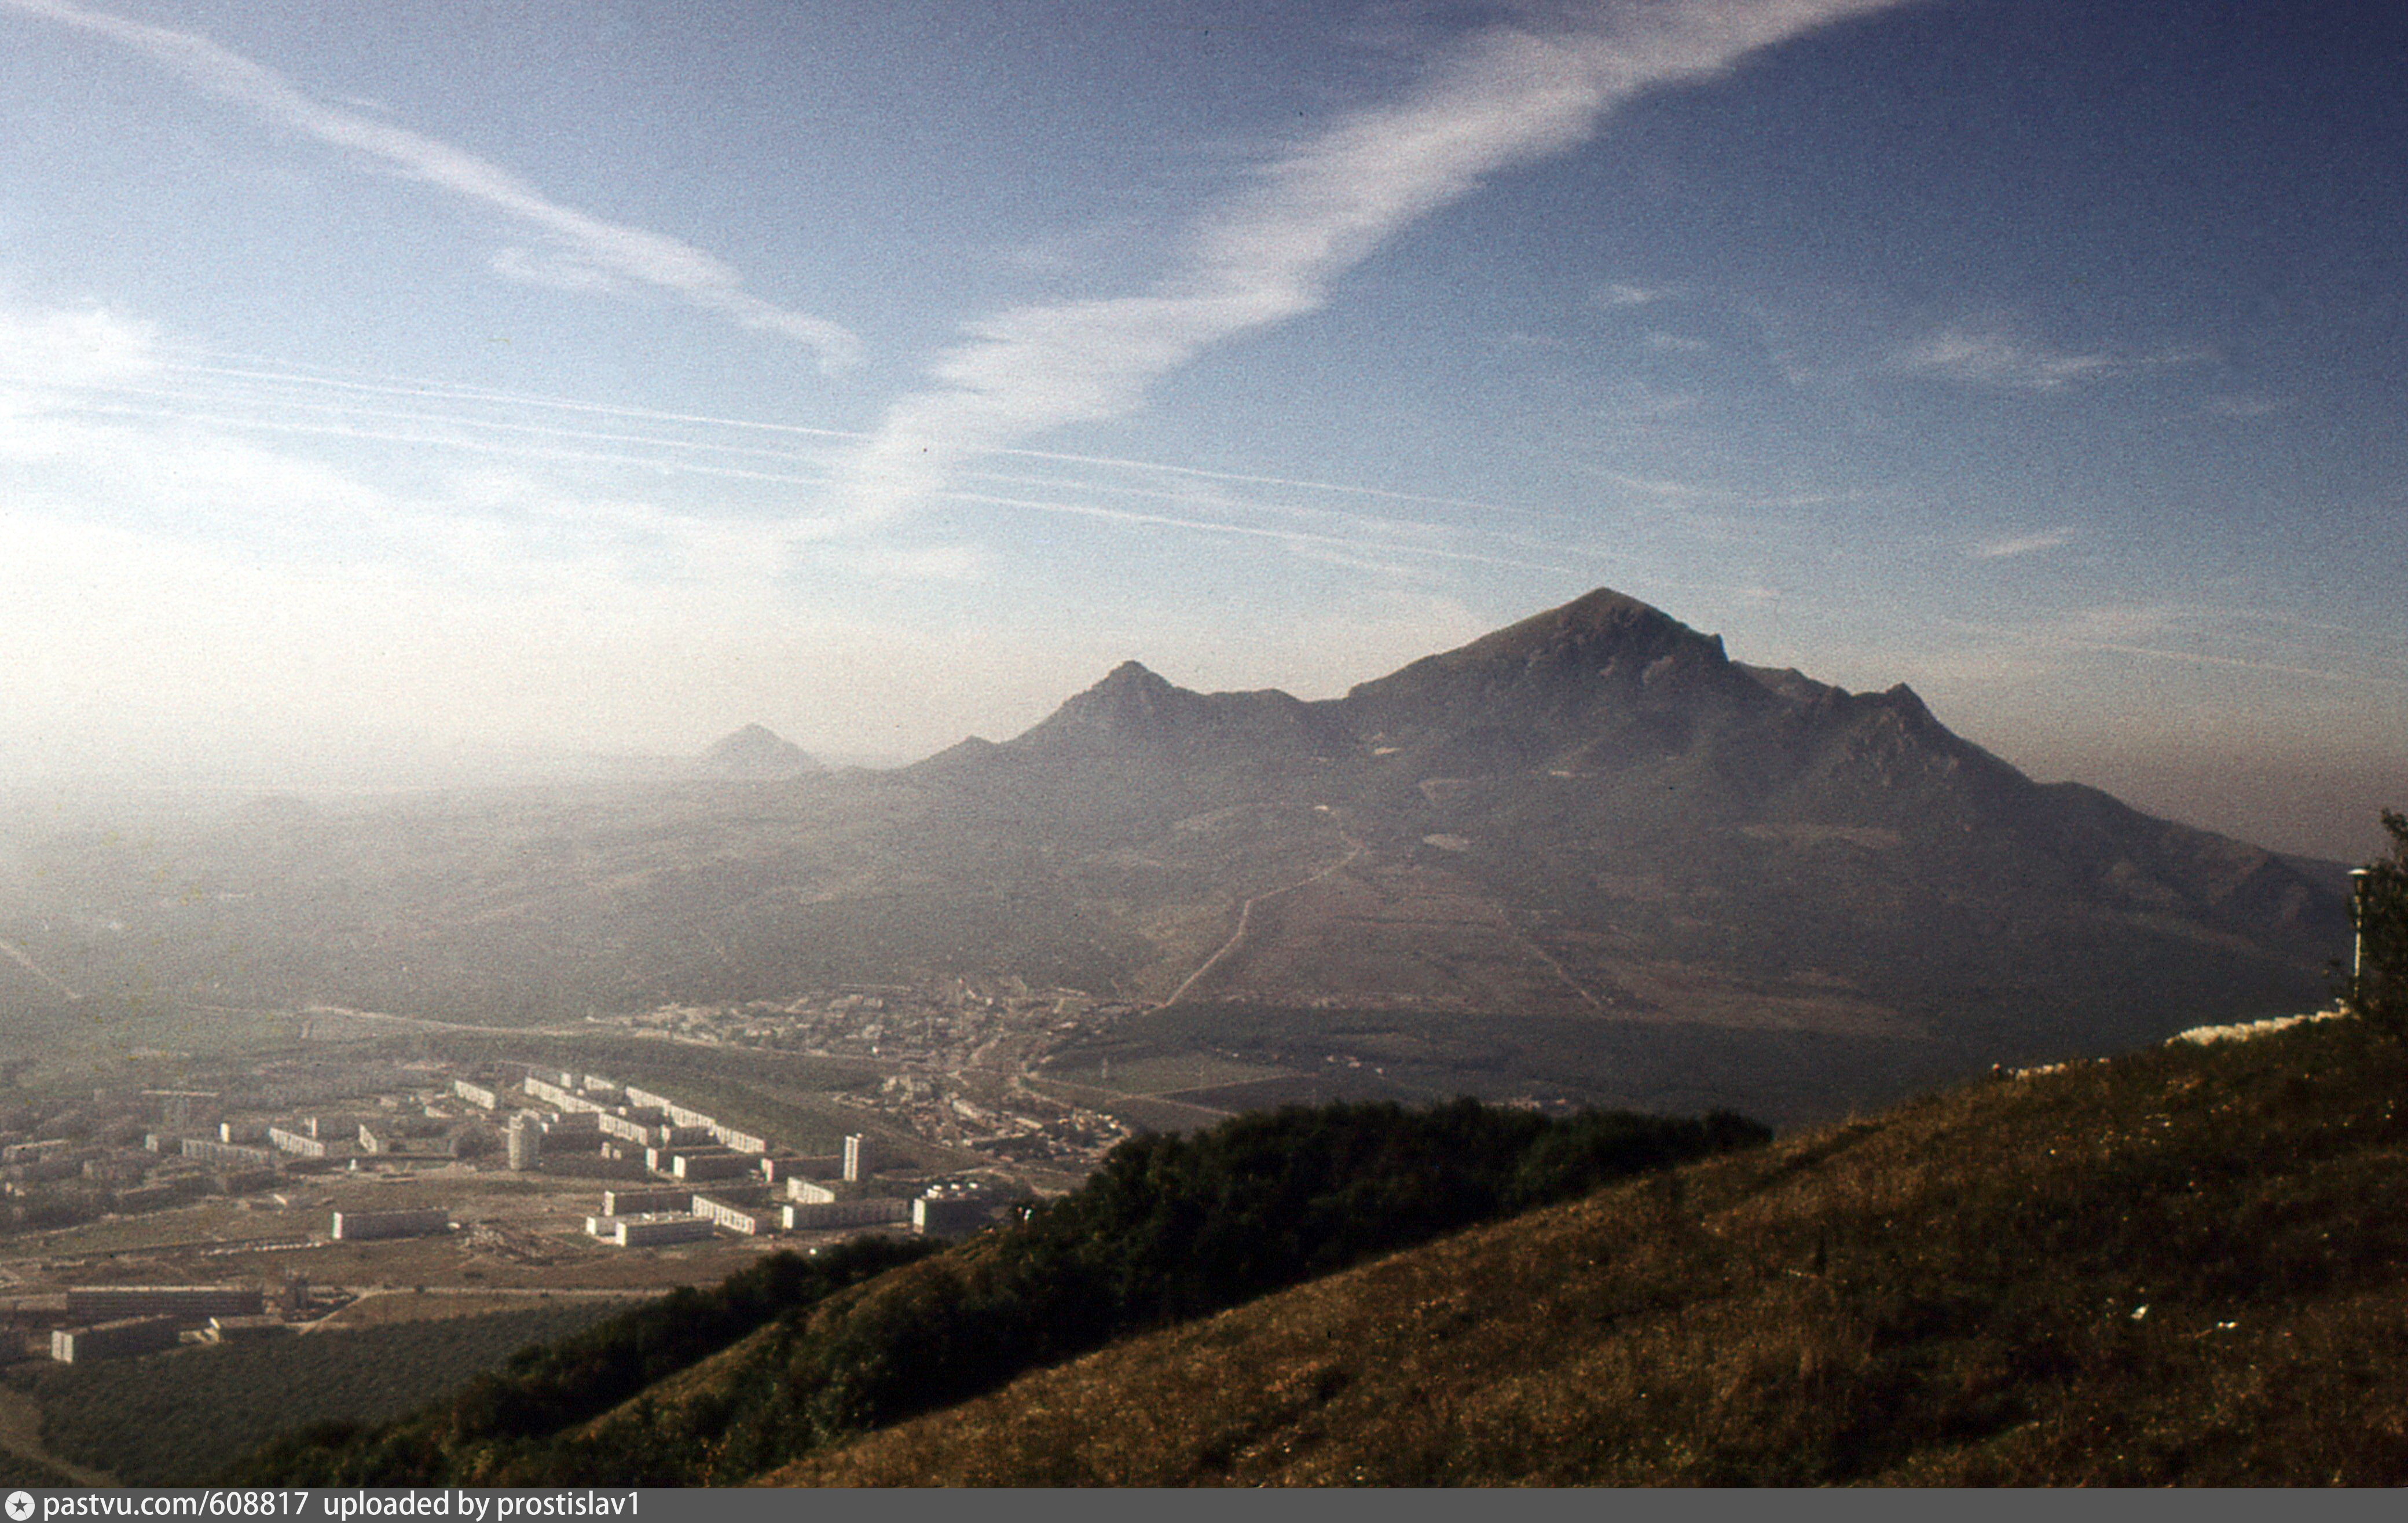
point(1949, 1293)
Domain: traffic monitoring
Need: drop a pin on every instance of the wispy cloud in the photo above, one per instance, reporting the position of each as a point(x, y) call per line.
point(73, 347)
point(1677, 343)
point(97, 420)
point(1505, 96)
point(586, 250)
point(2246, 405)
point(1619, 294)
point(1981, 357)
point(2021, 544)
point(2181, 636)
point(559, 271)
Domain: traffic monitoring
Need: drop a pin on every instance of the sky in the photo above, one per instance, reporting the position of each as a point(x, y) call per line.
point(428, 386)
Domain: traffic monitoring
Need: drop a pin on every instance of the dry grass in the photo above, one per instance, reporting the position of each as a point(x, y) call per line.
point(2189, 1266)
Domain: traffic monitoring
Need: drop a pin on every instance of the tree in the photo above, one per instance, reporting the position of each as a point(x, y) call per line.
point(2378, 991)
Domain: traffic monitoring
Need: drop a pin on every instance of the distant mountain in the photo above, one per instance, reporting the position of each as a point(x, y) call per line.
point(1586, 858)
point(1596, 813)
point(756, 751)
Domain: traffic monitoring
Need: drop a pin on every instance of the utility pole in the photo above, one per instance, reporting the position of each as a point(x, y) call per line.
point(2357, 880)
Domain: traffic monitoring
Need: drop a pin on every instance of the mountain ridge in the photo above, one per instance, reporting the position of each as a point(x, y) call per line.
point(1587, 858)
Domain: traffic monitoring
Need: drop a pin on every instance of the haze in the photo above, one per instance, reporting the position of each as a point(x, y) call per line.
point(422, 390)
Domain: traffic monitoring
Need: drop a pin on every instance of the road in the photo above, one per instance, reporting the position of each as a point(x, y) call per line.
point(1246, 917)
point(18, 956)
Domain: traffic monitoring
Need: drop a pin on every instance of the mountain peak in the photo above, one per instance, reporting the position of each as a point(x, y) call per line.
point(1599, 624)
point(1554, 671)
point(1132, 674)
point(757, 751)
point(1130, 707)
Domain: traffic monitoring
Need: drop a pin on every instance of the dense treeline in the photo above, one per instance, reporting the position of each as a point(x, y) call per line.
point(1169, 1228)
point(544, 1388)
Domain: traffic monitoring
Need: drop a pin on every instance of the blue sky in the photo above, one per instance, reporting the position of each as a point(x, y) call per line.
point(421, 383)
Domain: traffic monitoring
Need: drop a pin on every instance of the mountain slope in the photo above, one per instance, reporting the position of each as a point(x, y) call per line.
point(2182, 1266)
point(1587, 857)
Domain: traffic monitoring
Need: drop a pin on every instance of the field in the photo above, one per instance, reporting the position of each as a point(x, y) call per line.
point(1307, 1054)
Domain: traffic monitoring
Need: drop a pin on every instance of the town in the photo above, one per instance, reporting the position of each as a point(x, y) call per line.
point(513, 1167)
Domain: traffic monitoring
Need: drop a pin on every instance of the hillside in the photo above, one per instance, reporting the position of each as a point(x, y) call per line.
point(710, 1388)
point(2188, 1265)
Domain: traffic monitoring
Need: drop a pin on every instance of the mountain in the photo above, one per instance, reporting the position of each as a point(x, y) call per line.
point(756, 751)
point(1586, 858)
point(1594, 815)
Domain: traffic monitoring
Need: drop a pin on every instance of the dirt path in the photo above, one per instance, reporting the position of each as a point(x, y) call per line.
point(1246, 919)
point(29, 965)
point(20, 1434)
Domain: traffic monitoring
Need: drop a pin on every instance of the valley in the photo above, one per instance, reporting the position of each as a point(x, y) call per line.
point(1586, 861)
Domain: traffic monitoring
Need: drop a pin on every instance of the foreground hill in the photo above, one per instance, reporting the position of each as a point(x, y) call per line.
point(2188, 1265)
point(1588, 857)
point(709, 1390)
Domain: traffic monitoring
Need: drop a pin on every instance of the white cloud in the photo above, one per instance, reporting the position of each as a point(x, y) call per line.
point(2021, 544)
point(559, 271)
point(74, 348)
point(1508, 96)
point(1987, 358)
point(603, 248)
point(1621, 294)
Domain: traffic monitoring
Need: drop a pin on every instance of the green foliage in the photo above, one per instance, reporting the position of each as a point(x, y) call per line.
point(172, 1419)
point(2187, 1266)
point(1169, 1228)
point(2379, 993)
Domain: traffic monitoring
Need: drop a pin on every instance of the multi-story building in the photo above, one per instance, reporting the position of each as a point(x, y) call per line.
point(747, 1219)
point(710, 1165)
point(821, 1215)
point(647, 1230)
point(300, 1144)
point(119, 1339)
point(626, 1128)
point(186, 1303)
point(477, 1095)
point(523, 1143)
point(234, 1329)
point(562, 1099)
point(357, 1226)
point(210, 1151)
point(951, 1218)
point(645, 1202)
